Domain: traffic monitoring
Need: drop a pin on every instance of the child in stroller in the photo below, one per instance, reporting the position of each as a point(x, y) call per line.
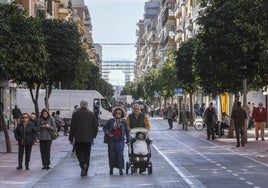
point(139, 151)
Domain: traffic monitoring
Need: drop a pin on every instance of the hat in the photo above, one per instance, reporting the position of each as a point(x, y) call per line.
point(122, 110)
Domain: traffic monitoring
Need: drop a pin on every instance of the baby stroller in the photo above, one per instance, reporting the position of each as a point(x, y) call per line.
point(139, 151)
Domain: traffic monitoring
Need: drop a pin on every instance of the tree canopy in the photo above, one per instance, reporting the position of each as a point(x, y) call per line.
point(231, 41)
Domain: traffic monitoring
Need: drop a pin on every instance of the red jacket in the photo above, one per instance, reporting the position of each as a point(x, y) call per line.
point(259, 116)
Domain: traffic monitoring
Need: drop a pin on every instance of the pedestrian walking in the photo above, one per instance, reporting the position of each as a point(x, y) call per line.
point(97, 111)
point(76, 108)
point(137, 119)
point(83, 130)
point(259, 117)
point(46, 123)
point(196, 109)
point(116, 133)
point(210, 118)
point(239, 117)
point(60, 123)
point(34, 120)
point(202, 110)
point(16, 113)
point(169, 114)
point(25, 135)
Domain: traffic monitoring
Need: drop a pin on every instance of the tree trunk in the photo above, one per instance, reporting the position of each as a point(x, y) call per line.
point(6, 132)
point(35, 99)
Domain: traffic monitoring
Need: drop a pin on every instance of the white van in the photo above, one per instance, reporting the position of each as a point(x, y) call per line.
point(64, 101)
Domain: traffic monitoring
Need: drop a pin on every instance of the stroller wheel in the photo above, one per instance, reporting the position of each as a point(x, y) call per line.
point(127, 167)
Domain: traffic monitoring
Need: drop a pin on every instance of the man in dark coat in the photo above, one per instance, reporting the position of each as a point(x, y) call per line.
point(84, 129)
point(239, 117)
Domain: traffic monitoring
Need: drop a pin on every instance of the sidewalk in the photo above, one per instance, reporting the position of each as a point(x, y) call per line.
point(257, 150)
point(11, 177)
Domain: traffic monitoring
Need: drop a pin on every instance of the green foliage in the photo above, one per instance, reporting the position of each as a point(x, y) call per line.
point(63, 45)
point(232, 36)
point(167, 79)
point(128, 89)
point(22, 52)
point(150, 81)
point(185, 66)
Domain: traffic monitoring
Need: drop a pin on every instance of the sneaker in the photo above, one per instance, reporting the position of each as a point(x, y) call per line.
point(19, 167)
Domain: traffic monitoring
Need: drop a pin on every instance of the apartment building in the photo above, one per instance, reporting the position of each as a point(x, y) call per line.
point(166, 24)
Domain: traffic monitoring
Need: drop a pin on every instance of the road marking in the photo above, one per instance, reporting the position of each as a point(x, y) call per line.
point(184, 177)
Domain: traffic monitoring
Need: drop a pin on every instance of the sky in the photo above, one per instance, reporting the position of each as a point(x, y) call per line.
point(114, 21)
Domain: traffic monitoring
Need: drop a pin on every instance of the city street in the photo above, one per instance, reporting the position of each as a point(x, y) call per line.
point(180, 159)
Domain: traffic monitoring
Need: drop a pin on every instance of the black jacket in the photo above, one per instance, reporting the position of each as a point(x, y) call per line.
point(25, 133)
point(84, 126)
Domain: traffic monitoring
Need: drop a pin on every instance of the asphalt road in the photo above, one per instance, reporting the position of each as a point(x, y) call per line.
point(180, 159)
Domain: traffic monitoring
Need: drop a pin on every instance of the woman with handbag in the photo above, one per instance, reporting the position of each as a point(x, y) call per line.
point(45, 125)
point(116, 133)
point(25, 135)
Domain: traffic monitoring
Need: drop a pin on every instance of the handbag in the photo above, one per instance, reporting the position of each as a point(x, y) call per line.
point(106, 138)
point(54, 134)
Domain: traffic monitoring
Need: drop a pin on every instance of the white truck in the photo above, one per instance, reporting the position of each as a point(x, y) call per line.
point(64, 101)
point(125, 99)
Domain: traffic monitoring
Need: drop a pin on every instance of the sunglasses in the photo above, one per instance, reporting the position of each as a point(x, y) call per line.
point(25, 117)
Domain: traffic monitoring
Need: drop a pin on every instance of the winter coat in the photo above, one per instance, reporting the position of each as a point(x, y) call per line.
point(25, 134)
point(84, 126)
point(45, 131)
point(259, 116)
point(109, 127)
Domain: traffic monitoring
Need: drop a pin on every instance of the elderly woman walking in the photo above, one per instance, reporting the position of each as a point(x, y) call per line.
point(116, 133)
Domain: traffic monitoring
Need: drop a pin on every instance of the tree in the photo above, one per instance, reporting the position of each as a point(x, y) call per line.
point(151, 85)
point(231, 38)
point(167, 80)
point(63, 45)
point(86, 76)
point(22, 58)
point(185, 67)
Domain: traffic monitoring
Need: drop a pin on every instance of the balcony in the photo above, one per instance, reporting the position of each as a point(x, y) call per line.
point(189, 24)
point(178, 12)
point(64, 11)
point(178, 37)
point(182, 2)
point(169, 38)
point(168, 15)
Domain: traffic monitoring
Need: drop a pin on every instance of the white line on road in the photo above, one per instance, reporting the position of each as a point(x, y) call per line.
point(184, 177)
